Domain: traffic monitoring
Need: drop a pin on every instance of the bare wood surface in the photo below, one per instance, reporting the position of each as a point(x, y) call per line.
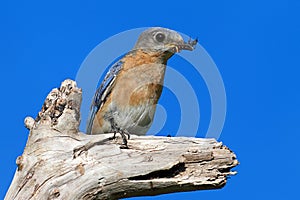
point(59, 162)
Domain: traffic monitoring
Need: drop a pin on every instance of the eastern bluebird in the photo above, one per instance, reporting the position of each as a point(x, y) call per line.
point(126, 100)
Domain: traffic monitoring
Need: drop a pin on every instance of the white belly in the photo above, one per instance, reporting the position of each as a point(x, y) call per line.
point(135, 120)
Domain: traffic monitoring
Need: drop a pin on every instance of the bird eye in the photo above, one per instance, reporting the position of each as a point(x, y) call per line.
point(160, 37)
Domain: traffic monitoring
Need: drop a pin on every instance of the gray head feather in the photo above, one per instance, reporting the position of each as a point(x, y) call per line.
point(158, 38)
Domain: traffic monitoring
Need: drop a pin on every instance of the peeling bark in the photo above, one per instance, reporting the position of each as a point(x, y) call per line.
point(59, 162)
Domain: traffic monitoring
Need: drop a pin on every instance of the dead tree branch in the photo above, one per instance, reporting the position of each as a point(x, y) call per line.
point(59, 162)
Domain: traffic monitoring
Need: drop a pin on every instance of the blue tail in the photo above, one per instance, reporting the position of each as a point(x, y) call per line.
point(90, 120)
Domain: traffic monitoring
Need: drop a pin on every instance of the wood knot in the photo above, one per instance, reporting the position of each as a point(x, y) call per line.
point(29, 122)
point(54, 193)
point(67, 86)
point(19, 163)
point(80, 169)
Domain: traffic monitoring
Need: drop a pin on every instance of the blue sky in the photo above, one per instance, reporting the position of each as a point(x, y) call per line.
point(255, 45)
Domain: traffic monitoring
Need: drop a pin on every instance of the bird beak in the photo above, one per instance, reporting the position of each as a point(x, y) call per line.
point(190, 45)
point(184, 46)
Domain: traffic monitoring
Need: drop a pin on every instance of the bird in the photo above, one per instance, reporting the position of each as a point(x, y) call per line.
point(125, 102)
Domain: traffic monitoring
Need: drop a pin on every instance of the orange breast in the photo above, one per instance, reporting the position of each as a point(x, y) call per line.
point(134, 93)
point(140, 80)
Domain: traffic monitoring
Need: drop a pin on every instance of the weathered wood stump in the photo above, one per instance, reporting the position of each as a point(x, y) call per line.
point(59, 162)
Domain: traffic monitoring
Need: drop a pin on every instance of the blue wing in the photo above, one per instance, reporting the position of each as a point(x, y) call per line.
point(101, 93)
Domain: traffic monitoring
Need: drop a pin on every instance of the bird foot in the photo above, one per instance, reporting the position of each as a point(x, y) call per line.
point(124, 146)
point(123, 135)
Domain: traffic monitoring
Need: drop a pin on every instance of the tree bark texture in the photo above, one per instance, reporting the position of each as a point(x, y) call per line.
point(59, 162)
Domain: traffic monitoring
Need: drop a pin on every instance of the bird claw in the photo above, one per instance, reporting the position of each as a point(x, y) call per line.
point(113, 137)
point(123, 146)
point(123, 135)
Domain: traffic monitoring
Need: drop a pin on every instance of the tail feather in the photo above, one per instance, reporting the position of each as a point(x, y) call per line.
point(90, 120)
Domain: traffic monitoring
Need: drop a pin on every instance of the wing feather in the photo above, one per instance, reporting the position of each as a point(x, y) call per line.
point(102, 92)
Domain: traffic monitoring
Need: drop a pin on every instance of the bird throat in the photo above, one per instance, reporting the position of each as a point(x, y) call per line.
point(140, 57)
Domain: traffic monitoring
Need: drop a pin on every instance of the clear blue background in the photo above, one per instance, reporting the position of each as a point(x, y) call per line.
point(255, 45)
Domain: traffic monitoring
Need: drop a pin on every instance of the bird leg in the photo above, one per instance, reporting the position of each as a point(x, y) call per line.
point(114, 136)
point(123, 133)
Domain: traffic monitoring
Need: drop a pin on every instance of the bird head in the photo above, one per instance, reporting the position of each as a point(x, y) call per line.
point(163, 40)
